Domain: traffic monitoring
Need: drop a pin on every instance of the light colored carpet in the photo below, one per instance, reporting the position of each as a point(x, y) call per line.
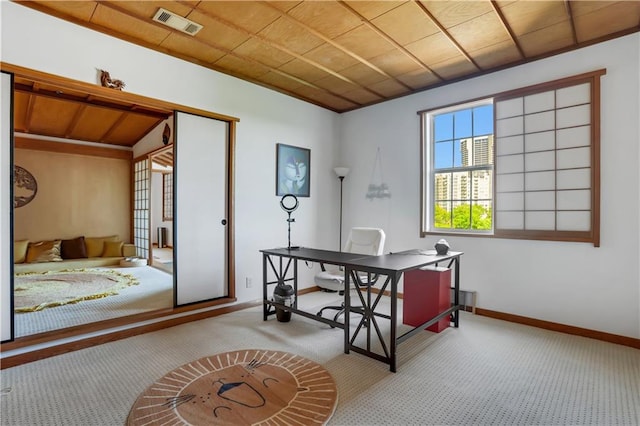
point(154, 291)
point(484, 373)
point(34, 291)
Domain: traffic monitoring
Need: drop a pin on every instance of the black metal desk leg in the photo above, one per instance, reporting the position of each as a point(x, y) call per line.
point(393, 323)
point(456, 293)
point(347, 308)
point(265, 307)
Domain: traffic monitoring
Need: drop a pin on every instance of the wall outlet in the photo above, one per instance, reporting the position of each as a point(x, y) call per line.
point(249, 282)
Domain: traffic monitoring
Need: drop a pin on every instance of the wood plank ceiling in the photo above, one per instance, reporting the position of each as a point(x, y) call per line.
point(47, 110)
point(343, 55)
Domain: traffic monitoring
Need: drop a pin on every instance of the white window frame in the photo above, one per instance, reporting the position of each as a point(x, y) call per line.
point(429, 172)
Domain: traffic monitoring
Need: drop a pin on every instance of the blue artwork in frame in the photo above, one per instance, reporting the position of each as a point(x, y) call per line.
point(292, 170)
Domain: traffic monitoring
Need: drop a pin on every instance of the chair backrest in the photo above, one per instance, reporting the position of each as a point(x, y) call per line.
point(365, 241)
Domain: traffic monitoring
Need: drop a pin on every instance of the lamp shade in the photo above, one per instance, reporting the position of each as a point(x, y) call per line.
point(341, 171)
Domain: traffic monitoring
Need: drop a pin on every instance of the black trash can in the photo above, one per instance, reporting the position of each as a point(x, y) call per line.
point(283, 293)
point(162, 237)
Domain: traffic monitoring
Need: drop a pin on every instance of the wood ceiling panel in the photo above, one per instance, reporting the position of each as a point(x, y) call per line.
point(454, 68)
point(551, 38)
point(284, 32)
point(579, 8)
point(21, 112)
point(335, 85)
point(285, 5)
point(373, 9)
point(303, 70)
point(51, 117)
point(330, 57)
point(525, 17)
point(364, 42)
point(249, 15)
point(433, 49)
point(327, 17)
point(361, 96)
point(278, 80)
point(192, 48)
point(479, 32)
point(321, 97)
point(496, 55)
point(93, 124)
point(396, 63)
point(76, 9)
point(418, 78)
point(452, 13)
point(241, 67)
point(130, 123)
point(415, 25)
point(263, 53)
point(129, 26)
point(389, 88)
point(605, 19)
point(362, 74)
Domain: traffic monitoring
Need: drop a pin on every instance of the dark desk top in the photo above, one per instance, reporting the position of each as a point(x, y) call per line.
point(316, 255)
point(403, 261)
point(395, 262)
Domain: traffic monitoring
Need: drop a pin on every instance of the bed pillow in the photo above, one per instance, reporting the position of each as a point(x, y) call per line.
point(73, 249)
point(20, 251)
point(44, 251)
point(95, 245)
point(112, 249)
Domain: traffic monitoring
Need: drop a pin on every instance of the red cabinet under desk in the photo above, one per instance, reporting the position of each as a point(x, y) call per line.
point(427, 292)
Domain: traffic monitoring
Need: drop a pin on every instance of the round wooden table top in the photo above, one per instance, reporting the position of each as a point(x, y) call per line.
point(245, 387)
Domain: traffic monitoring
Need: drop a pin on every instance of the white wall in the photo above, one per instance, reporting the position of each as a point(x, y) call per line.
point(266, 118)
point(569, 283)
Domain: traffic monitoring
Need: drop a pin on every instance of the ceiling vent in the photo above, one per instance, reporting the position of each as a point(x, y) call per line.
point(172, 20)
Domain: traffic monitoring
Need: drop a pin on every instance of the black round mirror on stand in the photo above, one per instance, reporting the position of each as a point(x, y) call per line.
point(289, 203)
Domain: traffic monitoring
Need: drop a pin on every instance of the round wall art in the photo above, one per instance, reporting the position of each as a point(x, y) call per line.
point(25, 187)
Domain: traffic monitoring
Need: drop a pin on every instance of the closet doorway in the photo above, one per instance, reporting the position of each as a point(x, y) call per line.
point(161, 214)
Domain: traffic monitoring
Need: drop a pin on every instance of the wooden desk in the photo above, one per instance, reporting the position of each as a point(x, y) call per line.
point(391, 266)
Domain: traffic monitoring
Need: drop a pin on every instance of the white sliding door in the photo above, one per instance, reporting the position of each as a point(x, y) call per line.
point(6, 207)
point(200, 222)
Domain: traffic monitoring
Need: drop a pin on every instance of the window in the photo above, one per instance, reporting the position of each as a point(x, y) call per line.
point(459, 152)
point(167, 196)
point(544, 154)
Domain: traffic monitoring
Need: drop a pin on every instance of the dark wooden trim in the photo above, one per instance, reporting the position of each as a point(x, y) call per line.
point(27, 357)
point(231, 196)
point(72, 148)
point(562, 328)
point(79, 330)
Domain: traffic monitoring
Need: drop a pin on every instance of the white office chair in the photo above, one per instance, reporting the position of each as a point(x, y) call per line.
point(368, 241)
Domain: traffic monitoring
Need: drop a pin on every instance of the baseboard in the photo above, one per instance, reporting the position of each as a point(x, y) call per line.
point(562, 328)
point(546, 325)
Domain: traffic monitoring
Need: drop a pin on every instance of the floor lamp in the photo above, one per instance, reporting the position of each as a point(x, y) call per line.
point(341, 172)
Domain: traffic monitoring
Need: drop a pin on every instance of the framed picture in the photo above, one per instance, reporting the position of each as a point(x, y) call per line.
point(292, 170)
